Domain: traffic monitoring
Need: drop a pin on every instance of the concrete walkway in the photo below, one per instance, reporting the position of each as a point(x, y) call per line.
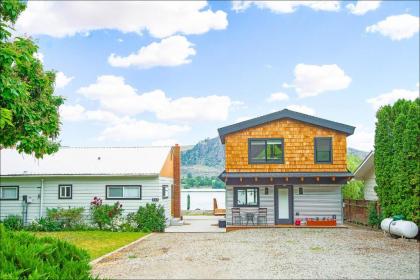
point(198, 224)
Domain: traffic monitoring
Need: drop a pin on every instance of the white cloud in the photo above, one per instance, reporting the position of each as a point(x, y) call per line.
point(72, 112)
point(61, 80)
point(115, 95)
point(362, 7)
point(77, 113)
point(243, 118)
point(301, 109)
point(141, 130)
point(172, 51)
point(120, 40)
point(397, 27)
point(277, 96)
point(165, 142)
point(362, 139)
point(285, 7)
point(391, 97)
point(160, 19)
point(39, 56)
point(417, 85)
point(312, 80)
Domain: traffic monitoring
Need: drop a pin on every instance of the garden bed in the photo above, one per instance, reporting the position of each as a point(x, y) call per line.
point(96, 243)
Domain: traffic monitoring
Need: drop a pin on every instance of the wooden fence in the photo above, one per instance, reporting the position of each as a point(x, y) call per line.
point(357, 211)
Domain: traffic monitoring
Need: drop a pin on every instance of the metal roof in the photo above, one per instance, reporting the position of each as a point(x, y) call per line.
point(285, 114)
point(283, 174)
point(86, 161)
point(366, 165)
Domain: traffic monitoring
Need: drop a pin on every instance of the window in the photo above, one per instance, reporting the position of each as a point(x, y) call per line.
point(123, 192)
point(65, 191)
point(266, 151)
point(9, 193)
point(323, 150)
point(165, 191)
point(246, 197)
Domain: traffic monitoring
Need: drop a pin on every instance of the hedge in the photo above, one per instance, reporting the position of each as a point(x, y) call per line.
point(24, 256)
point(397, 159)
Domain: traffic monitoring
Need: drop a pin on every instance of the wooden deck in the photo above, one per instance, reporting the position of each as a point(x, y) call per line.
point(238, 227)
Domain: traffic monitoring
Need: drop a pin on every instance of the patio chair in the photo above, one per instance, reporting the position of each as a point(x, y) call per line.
point(216, 210)
point(236, 215)
point(262, 215)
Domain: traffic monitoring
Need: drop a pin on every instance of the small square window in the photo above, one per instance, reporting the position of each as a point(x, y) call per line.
point(165, 191)
point(9, 193)
point(65, 191)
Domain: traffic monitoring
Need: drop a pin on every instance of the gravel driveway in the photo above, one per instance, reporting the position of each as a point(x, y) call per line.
point(267, 253)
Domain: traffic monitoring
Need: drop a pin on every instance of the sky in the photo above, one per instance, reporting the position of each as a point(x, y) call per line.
point(159, 73)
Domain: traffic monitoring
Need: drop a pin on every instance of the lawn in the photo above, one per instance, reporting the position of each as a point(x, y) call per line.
point(96, 243)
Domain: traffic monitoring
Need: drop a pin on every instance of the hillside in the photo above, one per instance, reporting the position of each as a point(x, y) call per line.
point(207, 158)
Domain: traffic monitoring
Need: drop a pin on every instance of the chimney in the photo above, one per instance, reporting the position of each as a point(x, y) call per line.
point(176, 199)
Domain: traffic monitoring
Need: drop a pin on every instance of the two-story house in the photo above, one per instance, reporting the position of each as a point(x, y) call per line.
point(284, 166)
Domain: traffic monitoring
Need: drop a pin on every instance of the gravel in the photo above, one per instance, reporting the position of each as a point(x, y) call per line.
point(267, 253)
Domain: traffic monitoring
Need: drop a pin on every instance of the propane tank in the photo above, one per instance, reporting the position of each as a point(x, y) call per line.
point(405, 229)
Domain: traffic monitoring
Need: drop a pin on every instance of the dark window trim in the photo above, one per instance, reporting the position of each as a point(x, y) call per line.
point(122, 198)
point(272, 161)
point(17, 194)
point(163, 191)
point(71, 191)
point(331, 150)
point(235, 196)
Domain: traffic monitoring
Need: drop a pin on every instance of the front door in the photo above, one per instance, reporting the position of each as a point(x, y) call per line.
point(283, 204)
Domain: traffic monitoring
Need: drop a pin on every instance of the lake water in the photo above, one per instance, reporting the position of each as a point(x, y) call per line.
point(202, 198)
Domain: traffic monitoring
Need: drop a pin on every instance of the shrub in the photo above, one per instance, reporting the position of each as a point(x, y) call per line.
point(151, 218)
point(105, 216)
point(374, 218)
point(45, 224)
point(129, 223)
point(24, 256)
point(67, 218)
point(13, 222)
point(354, 190)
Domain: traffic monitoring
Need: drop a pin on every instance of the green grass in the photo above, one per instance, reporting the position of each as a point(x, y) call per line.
point(96, 243)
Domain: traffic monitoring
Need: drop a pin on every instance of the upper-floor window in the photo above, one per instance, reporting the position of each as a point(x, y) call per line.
point(123, 192)
point(323, 150)
point(65, 191)
point(9, 193)
point(266, 150)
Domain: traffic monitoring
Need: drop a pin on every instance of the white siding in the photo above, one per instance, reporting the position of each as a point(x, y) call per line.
point(370, 183)
point(84, 189)
point(167, 201)
point(316, 201)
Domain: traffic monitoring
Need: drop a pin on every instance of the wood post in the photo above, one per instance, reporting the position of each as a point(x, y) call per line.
point(177, 181)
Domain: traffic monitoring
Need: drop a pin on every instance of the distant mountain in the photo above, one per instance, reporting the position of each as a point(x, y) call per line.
point(207, 158)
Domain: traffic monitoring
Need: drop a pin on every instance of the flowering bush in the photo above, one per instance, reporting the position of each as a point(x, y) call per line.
point(151, 218)
point(106, 216)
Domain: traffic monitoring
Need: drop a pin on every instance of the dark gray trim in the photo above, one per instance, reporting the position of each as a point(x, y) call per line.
point(331, 150)
point(17, 194)
point(250, 161)
point(278, 221)
point(163, 191)
point(59, 191)
point(225, 174)
point(285, 114)
point(122, 198)
point(235, 196)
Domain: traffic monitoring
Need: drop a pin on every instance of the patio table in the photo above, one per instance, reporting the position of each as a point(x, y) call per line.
point(249, 218)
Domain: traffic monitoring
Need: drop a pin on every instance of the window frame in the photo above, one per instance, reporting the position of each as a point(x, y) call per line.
point(271, 161)
point(330, 161)
point(123, 198)
point(235, 197)
point(65, 185)
point(17, 192)
point(163, 191)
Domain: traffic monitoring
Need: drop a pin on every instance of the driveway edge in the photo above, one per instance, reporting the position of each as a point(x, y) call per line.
point(95, 261)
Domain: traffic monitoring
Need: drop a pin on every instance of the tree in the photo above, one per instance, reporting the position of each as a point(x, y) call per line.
point(29, 118)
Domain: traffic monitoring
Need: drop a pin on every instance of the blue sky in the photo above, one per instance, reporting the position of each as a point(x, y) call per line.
point(180, 71)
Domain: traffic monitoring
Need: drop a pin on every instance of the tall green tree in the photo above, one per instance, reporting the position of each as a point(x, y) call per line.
point(397, 159)
point(29, 118)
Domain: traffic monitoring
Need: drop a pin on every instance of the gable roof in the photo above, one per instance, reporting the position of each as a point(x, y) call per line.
point(366, 165)
point(146, 161)
point(284, 114)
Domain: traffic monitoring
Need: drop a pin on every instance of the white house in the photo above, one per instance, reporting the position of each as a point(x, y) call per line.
point(366, 173)
point(73, 176)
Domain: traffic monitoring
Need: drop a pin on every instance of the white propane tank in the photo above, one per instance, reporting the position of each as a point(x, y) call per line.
point(406, 229)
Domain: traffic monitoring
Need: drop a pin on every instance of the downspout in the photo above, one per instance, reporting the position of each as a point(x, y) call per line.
point(41, 204)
